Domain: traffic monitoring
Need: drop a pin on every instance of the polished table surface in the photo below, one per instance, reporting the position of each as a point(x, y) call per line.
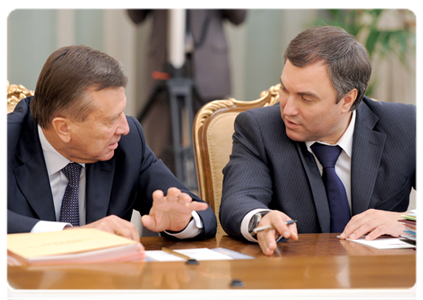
point(315, 261)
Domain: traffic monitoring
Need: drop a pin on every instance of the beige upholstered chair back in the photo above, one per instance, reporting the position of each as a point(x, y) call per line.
point(212, 136)
point(16, 93)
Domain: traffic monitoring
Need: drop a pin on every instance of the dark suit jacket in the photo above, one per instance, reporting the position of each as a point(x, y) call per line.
point(268, 170)
point(116, 186)
point(210, 69)
point(210, 65)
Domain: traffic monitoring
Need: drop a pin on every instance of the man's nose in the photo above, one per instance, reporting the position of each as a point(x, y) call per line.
point(290, 108)
point(123, 127)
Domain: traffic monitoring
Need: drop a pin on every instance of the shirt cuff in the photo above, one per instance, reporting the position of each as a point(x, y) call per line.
point(246, 221)
point(192, 230)
point(48, 226)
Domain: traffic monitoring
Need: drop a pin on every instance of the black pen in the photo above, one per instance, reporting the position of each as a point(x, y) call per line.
point(261, 228)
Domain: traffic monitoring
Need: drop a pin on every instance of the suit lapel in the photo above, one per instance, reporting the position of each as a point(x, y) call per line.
point(98, 189)
point(367, 152)
point(32, 176)
point(317, 187)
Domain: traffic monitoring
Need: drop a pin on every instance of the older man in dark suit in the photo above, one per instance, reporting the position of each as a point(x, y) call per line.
point(277, 170)
point(76, 119)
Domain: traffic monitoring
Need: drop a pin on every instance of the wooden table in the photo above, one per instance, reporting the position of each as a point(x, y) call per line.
point(315, 261)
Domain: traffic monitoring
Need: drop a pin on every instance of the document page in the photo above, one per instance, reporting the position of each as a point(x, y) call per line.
point(384, 243)
point(196, 253)
point(30, 245)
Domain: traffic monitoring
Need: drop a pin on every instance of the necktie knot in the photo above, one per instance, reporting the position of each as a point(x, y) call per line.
point(72, 172)
point(327, 155)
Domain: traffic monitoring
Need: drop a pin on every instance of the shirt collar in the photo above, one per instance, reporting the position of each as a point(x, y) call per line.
point(54, 160)
point(346, 140)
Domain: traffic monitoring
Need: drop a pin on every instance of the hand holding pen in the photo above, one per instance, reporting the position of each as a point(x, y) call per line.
point(273, 225)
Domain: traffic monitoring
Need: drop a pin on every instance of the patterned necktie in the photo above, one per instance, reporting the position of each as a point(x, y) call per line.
point(69, 211)
point(335, 190)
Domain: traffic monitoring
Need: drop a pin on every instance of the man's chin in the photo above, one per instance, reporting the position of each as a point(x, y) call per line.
point(107, 156)
point(295, 136)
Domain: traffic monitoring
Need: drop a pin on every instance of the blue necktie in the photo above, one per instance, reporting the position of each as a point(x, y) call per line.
point(69, 211)
point(335, 190)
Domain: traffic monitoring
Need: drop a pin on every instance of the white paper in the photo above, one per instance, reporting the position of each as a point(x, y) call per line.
point(197, 253)
point(384, 243)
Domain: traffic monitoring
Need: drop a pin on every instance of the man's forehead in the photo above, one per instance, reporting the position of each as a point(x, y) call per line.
point(107, 102)
point(310, 80)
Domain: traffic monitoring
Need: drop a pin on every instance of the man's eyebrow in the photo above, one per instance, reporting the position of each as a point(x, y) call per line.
point(309, 94)
point(305, 93)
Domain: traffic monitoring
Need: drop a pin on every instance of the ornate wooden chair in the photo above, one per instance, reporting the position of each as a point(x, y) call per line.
point(16, 93)
point(212, 137)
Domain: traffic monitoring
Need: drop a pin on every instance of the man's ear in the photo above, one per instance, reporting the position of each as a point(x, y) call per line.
point(348, 100)
point(62, 128)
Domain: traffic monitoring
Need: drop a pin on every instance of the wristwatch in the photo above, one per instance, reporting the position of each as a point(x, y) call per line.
point(255, 220)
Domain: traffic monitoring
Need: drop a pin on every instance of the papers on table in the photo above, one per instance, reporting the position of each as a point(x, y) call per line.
point(384, 243)
point(83, 245)
point(79, 245)
point(197, 254)
point(410, 215)
point(409, 221)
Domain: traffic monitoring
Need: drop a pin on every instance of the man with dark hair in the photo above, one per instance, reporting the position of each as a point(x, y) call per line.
point(75, 159)
point(326, 155)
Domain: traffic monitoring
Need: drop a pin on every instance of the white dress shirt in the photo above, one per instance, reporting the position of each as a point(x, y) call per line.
point(55, 162)
point(342, 169)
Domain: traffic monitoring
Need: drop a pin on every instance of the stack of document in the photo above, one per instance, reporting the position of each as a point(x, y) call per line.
point(79, 245)
point(409, 221)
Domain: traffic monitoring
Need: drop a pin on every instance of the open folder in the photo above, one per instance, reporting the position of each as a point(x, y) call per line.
point(79, 245)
